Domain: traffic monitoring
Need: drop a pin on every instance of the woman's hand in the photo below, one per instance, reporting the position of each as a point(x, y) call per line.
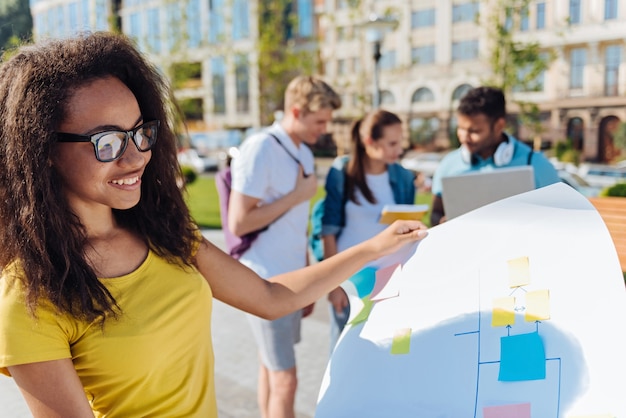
point(395, 236)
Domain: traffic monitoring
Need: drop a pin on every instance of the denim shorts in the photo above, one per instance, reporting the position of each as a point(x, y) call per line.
point(276, 339)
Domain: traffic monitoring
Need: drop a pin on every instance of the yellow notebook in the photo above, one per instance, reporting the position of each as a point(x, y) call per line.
point(392, 213)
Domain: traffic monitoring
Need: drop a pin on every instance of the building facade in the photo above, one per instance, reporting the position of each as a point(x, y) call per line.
point(208, 48)
point(439, 49)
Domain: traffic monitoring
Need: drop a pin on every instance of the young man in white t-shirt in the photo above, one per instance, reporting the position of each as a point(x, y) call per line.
point(273, 181)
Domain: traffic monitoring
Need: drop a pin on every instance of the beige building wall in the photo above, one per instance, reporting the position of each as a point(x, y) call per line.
point(349, 65)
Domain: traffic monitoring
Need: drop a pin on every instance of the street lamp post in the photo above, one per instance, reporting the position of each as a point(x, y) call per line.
point(375, 29)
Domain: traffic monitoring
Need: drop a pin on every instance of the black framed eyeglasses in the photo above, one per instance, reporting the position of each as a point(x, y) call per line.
point(110, 145)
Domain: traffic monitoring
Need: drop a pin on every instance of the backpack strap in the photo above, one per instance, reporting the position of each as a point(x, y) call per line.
point(293, 157)
point(530, 157)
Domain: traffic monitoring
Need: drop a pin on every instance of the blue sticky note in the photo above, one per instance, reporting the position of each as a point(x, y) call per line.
point(522, 357)
point(364, 281)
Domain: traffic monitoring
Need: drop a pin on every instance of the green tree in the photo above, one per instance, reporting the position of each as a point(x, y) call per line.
point(16, 23)
point(282, 54)
point(619, 136)
point(516, 66)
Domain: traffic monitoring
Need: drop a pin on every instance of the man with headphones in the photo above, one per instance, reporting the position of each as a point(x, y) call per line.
point(485, 146)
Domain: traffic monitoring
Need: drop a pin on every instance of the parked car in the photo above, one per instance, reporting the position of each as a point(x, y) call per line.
point(578, 183)
point(190, 157)
point(602, 175)
point(425, 162)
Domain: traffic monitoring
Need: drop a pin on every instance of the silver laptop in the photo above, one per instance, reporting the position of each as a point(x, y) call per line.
point(466, 192)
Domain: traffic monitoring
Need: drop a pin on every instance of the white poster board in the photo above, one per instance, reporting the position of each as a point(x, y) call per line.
point(514, 310)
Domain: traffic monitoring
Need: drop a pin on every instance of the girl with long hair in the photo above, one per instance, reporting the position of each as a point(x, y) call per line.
point(357, 188)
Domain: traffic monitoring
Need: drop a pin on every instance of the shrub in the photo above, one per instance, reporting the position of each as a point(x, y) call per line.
point(617, 190)
point(189, 174)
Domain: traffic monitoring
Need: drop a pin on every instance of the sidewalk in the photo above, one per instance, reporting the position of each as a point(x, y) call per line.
point(235, 362)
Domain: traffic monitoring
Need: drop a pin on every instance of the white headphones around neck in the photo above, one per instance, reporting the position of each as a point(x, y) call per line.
point(502, 156)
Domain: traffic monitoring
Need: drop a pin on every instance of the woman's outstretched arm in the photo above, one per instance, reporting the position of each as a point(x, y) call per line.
point(235, 284)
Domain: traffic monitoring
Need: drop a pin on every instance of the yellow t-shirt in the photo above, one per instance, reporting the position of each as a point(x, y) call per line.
point(155, 360)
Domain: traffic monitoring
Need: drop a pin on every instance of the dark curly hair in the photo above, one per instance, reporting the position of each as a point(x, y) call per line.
point(485, 100)
point(37, 226)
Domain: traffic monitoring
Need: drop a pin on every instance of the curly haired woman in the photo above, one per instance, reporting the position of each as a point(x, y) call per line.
point(106, 286)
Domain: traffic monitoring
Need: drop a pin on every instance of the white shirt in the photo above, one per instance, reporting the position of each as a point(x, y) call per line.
point(265, 171)
point(362, 220)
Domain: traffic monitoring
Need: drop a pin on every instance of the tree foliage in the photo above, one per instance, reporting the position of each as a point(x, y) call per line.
point(619, 136)
point(516, 66)
point(16, 23)
point(282, 55)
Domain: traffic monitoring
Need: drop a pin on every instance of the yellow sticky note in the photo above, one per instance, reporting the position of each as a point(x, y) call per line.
point(537, 305)
point(503, 312)
point(401, 341)
point(365, 312)
point(519, 272)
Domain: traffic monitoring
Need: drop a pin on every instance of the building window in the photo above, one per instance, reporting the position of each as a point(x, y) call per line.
point(85, 12)
point(423, 94)
point(102, 15)
point(341, 33)
point(460, 91)
point(388, 60)
point(241, 25)
point(52, 27)
point(134, 29)
point(508, 19)
point(218, 83)
point(305, 18)
point(154, 31)
point(387, 98)
point(186, 75)
point(73, 17)
point(60, 21)
point(193, 109)
point(610, 9)
point(465, 12)
point(423, 130)
point(242, 83)
point(576, 132)
point(341, 66)
point(356, 65)
point(194, 28)
point(535, 84)
point(578, 57)
point(541, 15)
point(612, 59)
point(574, 12)
point(174, 35)
point(423, 18)
point(39, 25)
point(423, 54)
point(524, 22)
point(344, 33)
point(464, 50)
point(216, 21)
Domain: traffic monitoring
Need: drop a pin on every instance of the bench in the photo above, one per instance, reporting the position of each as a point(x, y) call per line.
point(613, 212)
